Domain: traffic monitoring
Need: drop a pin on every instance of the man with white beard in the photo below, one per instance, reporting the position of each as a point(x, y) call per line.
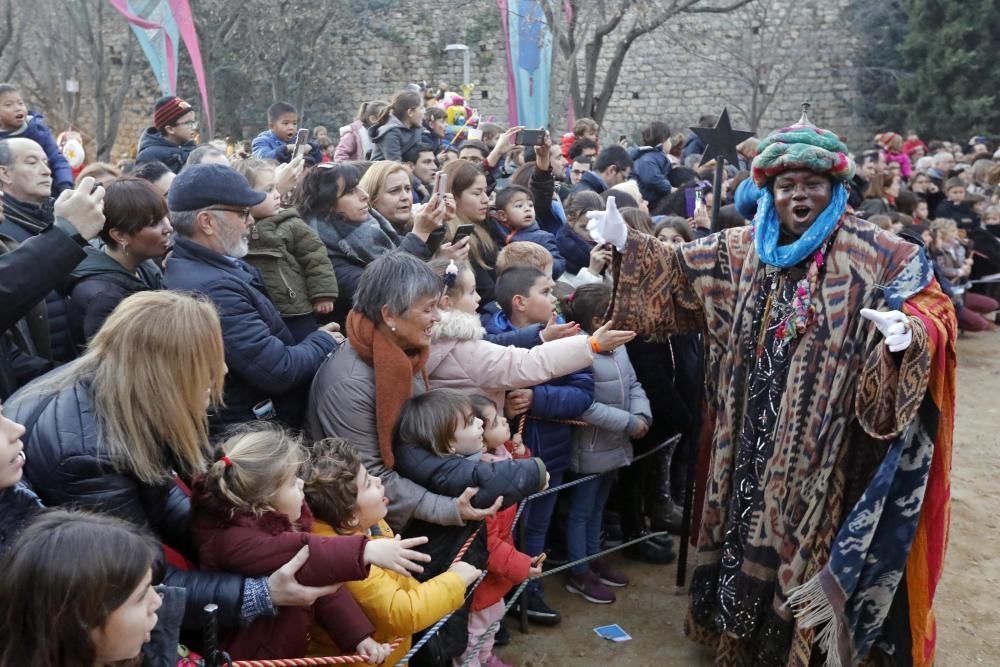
point(269, 372)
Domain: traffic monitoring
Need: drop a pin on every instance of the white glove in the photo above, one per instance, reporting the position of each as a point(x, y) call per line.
point(894, 325)
point(608, 226)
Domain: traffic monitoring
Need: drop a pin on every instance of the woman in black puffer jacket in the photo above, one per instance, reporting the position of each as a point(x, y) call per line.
point(115, 431)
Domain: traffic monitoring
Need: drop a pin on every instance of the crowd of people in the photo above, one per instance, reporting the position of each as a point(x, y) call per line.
point(239, 374)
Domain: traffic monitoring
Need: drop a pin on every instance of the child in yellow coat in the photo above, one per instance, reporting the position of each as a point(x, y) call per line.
point(346, 500)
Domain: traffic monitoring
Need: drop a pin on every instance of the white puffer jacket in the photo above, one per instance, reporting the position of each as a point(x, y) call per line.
point(618, 399)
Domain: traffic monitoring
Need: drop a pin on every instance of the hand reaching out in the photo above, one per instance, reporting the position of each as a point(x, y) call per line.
point(608, 226)
point(397, 554)
point(554, 331)
point(892, 324)
point(286, 591)
point(608, 339)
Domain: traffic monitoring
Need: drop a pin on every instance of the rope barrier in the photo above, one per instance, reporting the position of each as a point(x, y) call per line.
point(587, 478)
point(308, 662)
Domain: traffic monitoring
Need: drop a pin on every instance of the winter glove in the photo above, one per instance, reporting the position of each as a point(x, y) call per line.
point(608, 226)
point(894, 325)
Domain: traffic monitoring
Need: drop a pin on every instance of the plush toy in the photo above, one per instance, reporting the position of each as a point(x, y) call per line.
point(458, 113)
point(71, 146)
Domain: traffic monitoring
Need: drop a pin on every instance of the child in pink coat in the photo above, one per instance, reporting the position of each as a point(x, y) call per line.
point(460, 358)
point(892, 151)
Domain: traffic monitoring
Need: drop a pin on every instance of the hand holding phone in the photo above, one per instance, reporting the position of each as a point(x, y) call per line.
point(462, 232)
point(530, 137)
point(440, 184)
point(301, 137)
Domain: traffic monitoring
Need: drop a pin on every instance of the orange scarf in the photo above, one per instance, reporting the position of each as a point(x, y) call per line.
point(394, 371)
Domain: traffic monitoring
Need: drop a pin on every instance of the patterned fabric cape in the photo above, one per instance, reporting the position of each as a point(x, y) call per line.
point(809, 481)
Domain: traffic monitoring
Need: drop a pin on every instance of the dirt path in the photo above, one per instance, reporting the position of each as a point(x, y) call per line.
point(652, 610)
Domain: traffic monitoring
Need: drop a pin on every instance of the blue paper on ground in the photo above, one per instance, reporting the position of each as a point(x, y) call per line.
point(613, 632)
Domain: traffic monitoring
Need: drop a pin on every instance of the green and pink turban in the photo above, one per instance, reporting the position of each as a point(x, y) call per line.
point(802, 147)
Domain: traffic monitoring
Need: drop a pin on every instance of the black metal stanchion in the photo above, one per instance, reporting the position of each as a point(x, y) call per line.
point(214, 656)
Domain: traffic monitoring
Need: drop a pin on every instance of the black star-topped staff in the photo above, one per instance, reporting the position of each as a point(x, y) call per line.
point(720, 145)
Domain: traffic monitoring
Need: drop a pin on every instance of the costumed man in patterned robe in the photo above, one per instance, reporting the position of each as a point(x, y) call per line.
point(830, 372)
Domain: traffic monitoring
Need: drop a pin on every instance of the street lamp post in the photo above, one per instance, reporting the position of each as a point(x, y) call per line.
point(466, 65)
point(73, 88)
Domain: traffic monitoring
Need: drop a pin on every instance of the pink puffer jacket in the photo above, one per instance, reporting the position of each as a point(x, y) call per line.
point(460, 359)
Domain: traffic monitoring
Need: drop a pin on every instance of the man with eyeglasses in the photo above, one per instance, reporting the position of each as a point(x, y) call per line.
point(269, 372)
point(172, 137)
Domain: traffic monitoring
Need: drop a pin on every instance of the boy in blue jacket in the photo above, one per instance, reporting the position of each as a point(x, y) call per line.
point(525, 297)
point(650, 164)
point(278, 141)
point(515, 221)
point(16, 121)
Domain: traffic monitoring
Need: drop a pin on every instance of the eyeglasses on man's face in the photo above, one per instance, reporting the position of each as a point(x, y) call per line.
point(243, 213)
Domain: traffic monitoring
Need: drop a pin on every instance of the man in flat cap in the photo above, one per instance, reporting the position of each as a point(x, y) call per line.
point(269, 373)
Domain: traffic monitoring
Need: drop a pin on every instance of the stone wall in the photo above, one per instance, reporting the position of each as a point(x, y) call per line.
point(411, 48)
point(659, 79)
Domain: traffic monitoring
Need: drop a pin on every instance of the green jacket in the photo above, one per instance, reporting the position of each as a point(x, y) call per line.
point(293, 261)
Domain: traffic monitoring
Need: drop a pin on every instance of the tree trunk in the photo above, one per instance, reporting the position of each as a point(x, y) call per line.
point(118, 102)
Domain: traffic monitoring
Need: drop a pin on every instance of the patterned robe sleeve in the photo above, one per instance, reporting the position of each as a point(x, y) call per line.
point(892, 386)
point(663, 289)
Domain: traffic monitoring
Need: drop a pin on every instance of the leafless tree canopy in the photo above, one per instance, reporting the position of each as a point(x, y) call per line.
point(55, 41)
point(593, 37)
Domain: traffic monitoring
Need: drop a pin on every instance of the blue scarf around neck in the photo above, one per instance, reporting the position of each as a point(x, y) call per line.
point(767, 229)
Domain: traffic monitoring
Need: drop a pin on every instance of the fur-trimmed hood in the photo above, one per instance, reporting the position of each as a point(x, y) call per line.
point(458, 325)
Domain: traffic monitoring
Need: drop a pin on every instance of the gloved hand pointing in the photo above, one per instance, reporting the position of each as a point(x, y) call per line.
point(894, 325)
point(608, 226)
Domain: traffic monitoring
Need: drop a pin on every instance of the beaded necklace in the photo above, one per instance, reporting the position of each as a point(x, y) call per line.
point(803, 310)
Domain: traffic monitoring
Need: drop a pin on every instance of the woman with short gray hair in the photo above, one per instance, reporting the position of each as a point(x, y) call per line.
point(358, 393)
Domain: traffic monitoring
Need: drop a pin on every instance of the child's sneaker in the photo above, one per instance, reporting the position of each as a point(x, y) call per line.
point(590, 587)
point(608, 575)
point(494, 661)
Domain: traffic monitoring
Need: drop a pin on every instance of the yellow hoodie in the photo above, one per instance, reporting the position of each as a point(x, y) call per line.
point(396, 605)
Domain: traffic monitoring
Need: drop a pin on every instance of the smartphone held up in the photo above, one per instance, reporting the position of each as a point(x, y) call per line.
point(301, 142)
point(530, 137)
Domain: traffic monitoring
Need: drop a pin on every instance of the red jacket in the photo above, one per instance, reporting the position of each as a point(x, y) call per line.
point(256, 546)
point(506, 567)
